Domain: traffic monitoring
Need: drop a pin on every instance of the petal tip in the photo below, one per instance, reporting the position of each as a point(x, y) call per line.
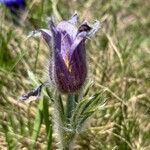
point(95, 27)
point(73, 18)
point(33, 95)
point(33, 34)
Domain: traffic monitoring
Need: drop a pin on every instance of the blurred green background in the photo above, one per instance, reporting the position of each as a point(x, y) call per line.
point(119, 66)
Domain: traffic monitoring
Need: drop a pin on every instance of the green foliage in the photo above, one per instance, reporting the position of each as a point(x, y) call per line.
point(42, 114)
point(84, 109)
point(119, 61)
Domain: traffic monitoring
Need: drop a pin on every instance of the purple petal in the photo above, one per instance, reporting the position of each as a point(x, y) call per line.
point(46, 34)
point(84, 28)
point(69, 59)
point(10, 3)
point(84, 31)
point(66, 43)
point(79, 38)
point(68, 33)
point(63, 35)
point(56, 36)
point(71, 78)
point(52, 26)
point(33, 94)
point(68, 28)
point(73, 19)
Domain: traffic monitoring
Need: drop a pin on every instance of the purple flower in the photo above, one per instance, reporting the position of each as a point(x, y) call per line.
point(10, 3)
point(16, 7)
point(34, 94)
point(68, 68)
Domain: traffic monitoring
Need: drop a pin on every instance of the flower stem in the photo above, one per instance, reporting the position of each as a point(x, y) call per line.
point(64, 128)
point(70, 105)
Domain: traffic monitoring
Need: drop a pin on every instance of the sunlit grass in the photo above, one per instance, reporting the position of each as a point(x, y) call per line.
point(118, 60)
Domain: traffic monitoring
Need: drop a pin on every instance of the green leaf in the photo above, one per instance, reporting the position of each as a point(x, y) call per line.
point(48, 123)
point(91, 102)
point(37, 122)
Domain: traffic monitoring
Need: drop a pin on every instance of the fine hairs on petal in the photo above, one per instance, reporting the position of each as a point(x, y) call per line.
point(35, 33)
point(38, 33)
point(95, 27)
point(48, 19)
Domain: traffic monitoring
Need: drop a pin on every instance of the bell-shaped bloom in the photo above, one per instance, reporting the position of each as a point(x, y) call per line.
point(68, 67)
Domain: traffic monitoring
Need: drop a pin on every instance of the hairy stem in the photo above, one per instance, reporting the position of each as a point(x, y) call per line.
point(62, 121)
point(70, 105)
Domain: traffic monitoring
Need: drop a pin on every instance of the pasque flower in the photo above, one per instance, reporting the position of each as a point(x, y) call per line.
point(67, 67)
